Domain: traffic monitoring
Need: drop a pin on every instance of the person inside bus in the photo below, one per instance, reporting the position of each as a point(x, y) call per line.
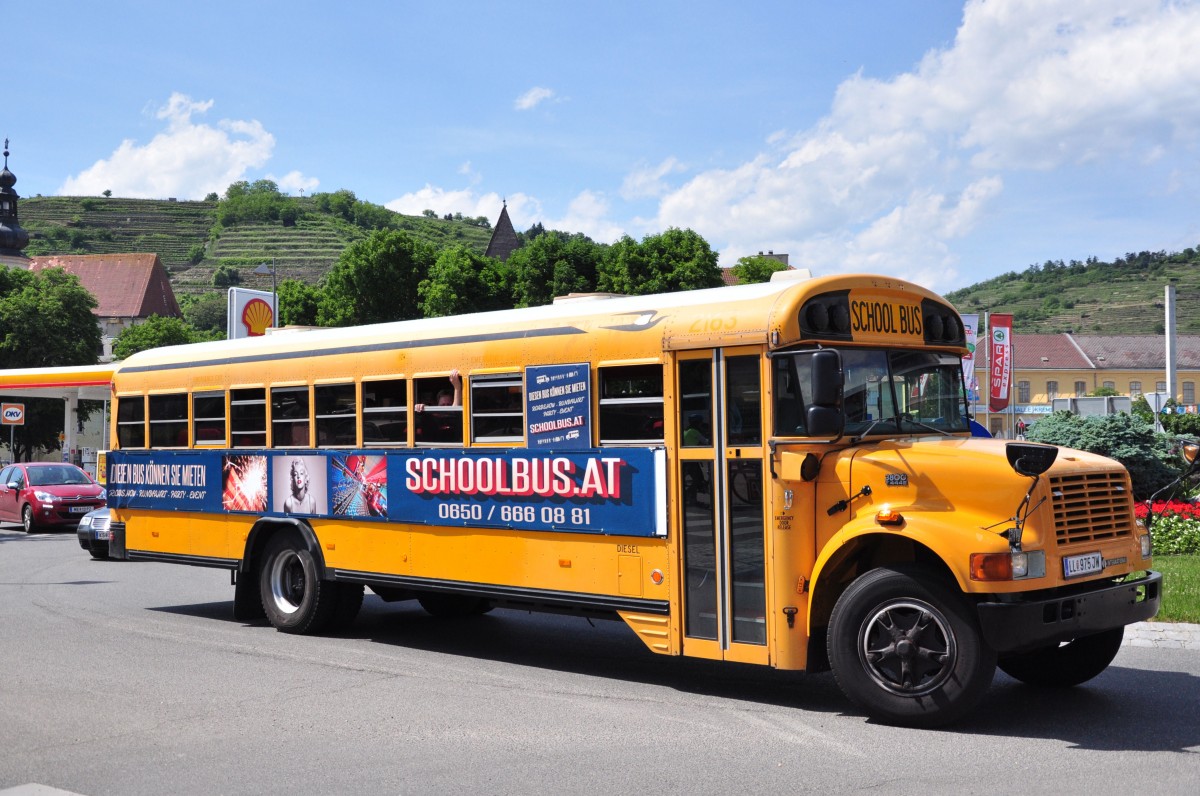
point(437, 426)
point(447, 396)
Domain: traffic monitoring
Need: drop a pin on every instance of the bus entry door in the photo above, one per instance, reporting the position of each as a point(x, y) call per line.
point(721, 500)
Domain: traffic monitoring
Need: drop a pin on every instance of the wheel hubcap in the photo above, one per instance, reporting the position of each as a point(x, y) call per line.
point(907, 647)
point(288, 582)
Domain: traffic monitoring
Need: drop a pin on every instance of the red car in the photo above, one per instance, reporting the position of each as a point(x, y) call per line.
point(39, 494)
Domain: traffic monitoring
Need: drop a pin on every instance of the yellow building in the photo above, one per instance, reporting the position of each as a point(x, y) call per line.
point(1050, 366)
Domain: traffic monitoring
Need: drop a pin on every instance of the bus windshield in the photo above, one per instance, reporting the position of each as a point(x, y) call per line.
point(887, 391)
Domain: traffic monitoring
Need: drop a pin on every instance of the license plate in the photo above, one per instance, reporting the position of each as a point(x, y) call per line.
point(80, 509)
point(102, 535)
point(1083, 564)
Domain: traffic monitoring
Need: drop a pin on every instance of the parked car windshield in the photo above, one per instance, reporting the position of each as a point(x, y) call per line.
point(47, 476)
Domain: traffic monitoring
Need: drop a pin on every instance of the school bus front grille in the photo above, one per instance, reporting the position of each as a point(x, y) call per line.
point(1091, 507)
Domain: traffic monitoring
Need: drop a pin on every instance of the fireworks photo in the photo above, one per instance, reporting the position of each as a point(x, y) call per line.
point(359, 486)
point(244, 483)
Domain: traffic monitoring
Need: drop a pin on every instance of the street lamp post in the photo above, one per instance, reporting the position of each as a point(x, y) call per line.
point(265, 269)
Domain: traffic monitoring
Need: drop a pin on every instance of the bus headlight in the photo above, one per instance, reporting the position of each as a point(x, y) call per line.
point(1008, 566)
point(1147, 545)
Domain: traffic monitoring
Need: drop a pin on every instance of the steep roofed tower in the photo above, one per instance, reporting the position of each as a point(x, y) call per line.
point(504, 238)
point(13, 239)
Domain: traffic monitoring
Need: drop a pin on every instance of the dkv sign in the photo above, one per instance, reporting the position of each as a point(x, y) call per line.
point(12, 414)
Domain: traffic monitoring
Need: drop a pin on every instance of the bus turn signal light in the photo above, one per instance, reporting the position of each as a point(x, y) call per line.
point(1008, 566)
point(889, 516)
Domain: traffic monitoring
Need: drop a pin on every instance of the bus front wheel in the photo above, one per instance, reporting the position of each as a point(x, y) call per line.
point(907, 649)
point(293, 597)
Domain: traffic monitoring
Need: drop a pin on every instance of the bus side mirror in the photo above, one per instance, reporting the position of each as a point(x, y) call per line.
point(1029, 459)
point(824, 415)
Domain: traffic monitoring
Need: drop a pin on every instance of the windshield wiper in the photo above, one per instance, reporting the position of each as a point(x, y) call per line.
point(915, 422)
point(859, 436)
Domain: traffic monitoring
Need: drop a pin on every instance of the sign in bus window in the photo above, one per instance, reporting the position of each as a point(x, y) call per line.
point(131, 421)
point(385, 412)
point(631, 403)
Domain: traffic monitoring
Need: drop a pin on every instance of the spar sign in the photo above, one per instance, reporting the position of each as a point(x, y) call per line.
point(12, 414)
point(1001, 367)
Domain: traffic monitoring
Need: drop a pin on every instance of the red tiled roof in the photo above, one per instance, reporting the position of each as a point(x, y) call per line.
point(1093, 352)
point(125, 285)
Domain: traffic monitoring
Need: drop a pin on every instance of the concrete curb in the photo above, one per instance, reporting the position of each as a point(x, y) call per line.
point(1167, 635)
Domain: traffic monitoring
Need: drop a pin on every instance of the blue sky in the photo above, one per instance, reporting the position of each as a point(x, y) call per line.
point(943, 142)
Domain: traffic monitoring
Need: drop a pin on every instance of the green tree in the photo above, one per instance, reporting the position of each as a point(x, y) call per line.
point(554, 264)
point(756, 268)
point(1124, 437)
point(298, 303)
point(461, 280)
point(156, 332)
point(678, 259)
point(226, 275)
point(208, 312)
point(46, 320)
point(376, 280)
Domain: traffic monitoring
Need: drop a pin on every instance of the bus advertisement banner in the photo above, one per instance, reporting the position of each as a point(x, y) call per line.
point(558, 406)
point(611, 491)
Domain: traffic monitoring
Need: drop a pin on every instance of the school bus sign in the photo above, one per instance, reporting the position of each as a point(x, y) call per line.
point(12, 414)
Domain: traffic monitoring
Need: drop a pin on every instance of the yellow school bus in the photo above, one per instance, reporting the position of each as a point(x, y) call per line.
point(780, 474)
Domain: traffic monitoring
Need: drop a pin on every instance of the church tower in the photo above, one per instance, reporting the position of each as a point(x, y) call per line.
point(13, 239)
point(504, 238)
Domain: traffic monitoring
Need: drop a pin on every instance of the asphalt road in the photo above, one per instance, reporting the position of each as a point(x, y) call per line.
point(133, 678)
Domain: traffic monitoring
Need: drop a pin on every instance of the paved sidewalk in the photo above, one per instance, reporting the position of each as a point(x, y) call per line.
point(1173, 635)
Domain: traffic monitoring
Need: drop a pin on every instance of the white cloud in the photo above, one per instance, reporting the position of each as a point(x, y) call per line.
point(647, 181)
point(295, 182)
point(901, 167)
point(533, 97)
point(467, 202)
point(588, 213)
point(187, 160)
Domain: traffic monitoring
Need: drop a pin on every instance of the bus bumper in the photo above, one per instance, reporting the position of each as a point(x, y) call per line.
point(1029, 624)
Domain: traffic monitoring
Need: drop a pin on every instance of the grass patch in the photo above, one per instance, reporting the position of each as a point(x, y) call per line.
point(1181, 588)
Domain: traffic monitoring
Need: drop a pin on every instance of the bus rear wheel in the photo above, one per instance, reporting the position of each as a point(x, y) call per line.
point(293, 597)
point(907, 649)
point(1065, 665)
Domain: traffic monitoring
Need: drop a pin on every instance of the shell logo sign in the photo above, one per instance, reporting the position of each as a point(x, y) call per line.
point(257, 317)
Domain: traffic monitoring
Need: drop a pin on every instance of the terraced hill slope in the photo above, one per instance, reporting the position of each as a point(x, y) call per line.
point(181, 234)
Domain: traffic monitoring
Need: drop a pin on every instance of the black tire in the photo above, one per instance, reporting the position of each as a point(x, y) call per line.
point(27, 518)
point(294, 598)
point(1065, 665)
point(99, 551)
point(349, 603)
point(907, 649)
point(453, 606)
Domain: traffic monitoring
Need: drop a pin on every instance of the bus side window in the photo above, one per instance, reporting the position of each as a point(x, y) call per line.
point(208, 418)
point(385, 412)
point(631, 404)
point(289, 417)
point(497, 408)
point(695, 405)
point(336, 414)
point(791, 382)
point(131, 421)
point(169, 421)
point(248, 417)
point(743, 415)
point(439, 421)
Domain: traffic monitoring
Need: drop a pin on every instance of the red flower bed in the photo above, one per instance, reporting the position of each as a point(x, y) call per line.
point(1162, 508)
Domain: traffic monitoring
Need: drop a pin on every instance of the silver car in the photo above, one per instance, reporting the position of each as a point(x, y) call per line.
point(94, 532)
